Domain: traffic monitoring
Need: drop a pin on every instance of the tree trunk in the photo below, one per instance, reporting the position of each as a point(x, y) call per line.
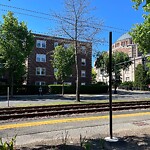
point(77, 66)
point(12, 85)
point(115, 90)
point(62, 87)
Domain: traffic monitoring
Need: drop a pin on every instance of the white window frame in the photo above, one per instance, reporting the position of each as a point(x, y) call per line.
point(83, 83)
point(127, 79)
point(83, 49)
point(40, 70)
point(83, 73)
point(40, 57)
point(55, 44)
point(55, 70)
point(66, 45)
point(39, 43)
point(83, 62)
point(40, 83)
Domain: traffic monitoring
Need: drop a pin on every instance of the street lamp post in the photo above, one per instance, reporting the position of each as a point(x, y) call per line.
point(111, 138)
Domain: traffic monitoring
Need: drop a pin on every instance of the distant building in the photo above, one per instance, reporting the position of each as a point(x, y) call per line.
point(126, 45)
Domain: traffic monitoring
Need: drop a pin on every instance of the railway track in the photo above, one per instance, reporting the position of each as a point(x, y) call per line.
point(53, 110)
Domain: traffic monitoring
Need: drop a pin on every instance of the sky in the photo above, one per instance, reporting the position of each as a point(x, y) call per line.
point(118, 16)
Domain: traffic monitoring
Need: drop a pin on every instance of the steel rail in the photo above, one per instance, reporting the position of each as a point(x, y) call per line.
point(40, 111)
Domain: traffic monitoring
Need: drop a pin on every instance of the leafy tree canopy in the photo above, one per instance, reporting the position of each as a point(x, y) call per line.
point(63, 59)
point(141, 77)
point(16, 43)
point(120, 60)
point(146, 4)
point(141, 35)
point(93, 75)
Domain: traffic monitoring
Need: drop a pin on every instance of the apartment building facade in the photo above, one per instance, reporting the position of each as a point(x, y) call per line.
point(39, 66)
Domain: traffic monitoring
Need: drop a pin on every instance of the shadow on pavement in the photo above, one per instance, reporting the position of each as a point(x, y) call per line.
point(124, 143)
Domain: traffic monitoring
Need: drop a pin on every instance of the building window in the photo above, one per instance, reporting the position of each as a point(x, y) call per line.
point(55, 70)
point(127, 78)
point(40, 58)
point(55, 44)
point(67, 83)
point(66, 45)
point(40, 71)
point(83, 62)
point(83, 49)
point(40, 44)
point(83, 83)
point(40, 83)
point(83, 73)
point(127, 69)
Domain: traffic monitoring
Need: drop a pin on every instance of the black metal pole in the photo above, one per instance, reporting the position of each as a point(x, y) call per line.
point(110, 83)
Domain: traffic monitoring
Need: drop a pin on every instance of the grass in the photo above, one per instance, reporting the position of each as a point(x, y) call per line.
point(71, 102)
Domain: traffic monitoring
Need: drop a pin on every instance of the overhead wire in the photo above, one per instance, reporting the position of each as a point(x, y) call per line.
point(42, 13)
point(104, 27)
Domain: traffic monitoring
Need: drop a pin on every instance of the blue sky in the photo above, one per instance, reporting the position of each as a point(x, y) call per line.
point(118, 14)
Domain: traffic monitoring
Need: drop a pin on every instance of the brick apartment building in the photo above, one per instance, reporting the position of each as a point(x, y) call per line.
point(39, 67)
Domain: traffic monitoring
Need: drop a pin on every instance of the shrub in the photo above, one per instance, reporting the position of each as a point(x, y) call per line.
point(7, 145)
point(24, 89)
point(84, 89)
point(128, 85)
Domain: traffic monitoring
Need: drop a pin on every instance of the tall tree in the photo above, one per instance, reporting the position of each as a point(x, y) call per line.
point(63, 60)
point(78, 24)
point(141, 77)
point(16, 43)
point(141, 32)
point(141, 35)
point(120, 61)
point(93, 75)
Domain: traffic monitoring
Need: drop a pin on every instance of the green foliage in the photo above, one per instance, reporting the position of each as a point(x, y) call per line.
point(146, 6)
point(63, 60)
point(118, 58)
point(93, 76)
point(85, 89)
point(24, 89)
point(141, 35)
point(128, 85)
point(85, 143)
point(7, 145)
point(16, 43)
point(141, 77)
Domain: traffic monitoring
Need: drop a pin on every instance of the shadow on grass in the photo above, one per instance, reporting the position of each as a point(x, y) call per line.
point(124, 143)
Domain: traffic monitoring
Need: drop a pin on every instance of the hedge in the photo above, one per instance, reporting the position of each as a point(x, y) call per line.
point(54, 89)
point(24, 89)
point(84, 89)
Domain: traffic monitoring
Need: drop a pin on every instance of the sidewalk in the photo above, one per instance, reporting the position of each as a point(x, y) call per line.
point(131, 136)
